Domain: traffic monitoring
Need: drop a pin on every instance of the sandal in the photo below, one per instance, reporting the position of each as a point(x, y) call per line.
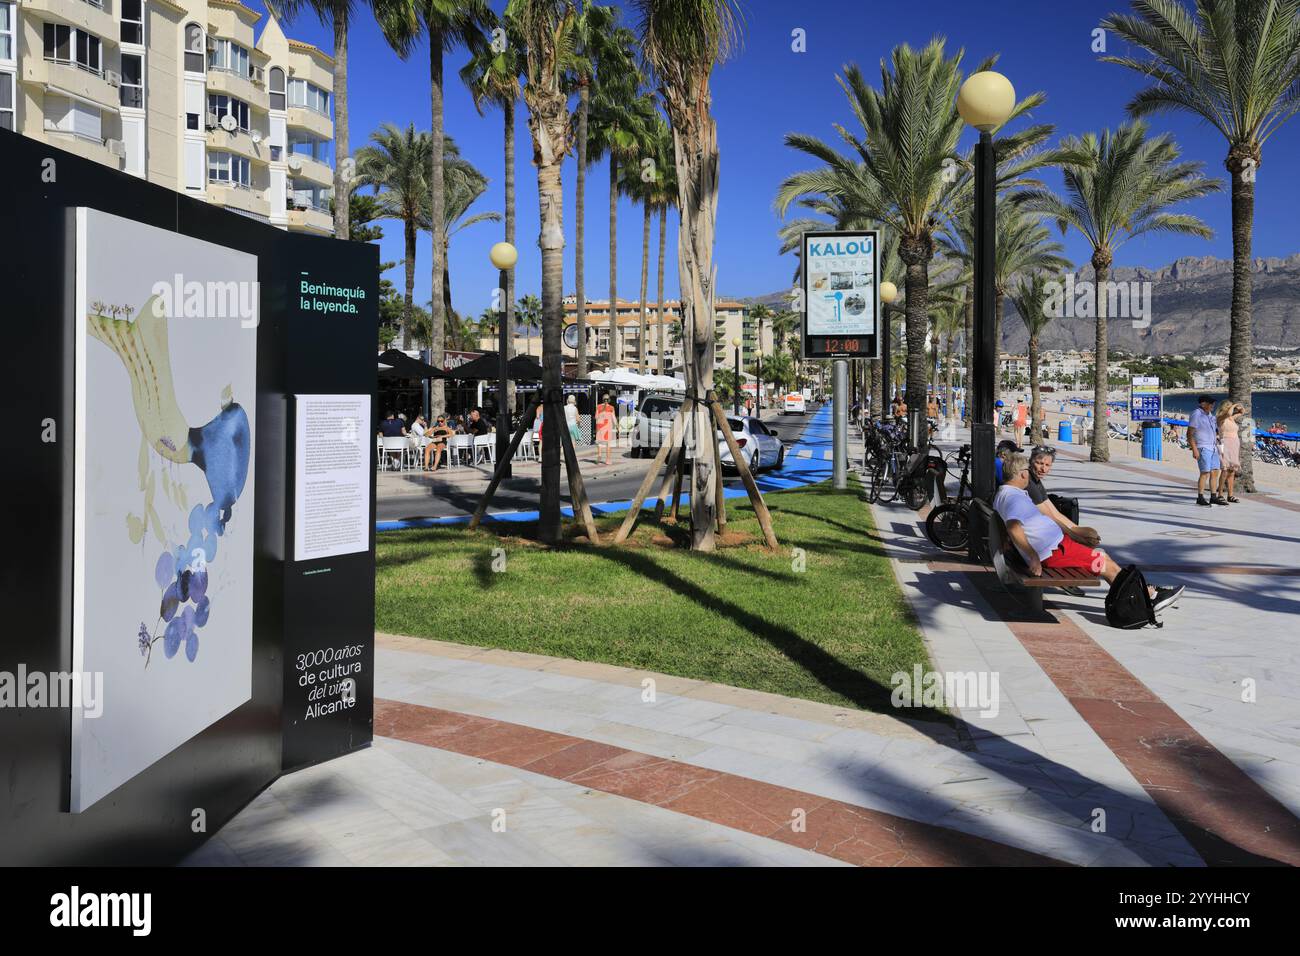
point(1234, 500)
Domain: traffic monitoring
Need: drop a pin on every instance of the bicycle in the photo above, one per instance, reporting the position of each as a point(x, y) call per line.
point(948, 525)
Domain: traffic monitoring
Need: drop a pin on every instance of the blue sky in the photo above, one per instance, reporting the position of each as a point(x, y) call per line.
point(768, 90)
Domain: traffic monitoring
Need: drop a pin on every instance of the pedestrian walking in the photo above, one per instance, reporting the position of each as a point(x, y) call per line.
point(1203, 440)
point(606, 419)
point(1229, 419)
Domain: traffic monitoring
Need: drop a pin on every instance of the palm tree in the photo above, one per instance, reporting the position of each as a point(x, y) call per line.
point(462, 186)
point(548, 28)
point(758, 313)
point(681, 41)
point(662, 194)
point(528, 313)
point(1023, 245)
point(448, 24)
point(1030, 297)
point(1235, 64)
point(492, 76)
point(397, 21)
point(396, 164)
point(1123, 190)
point(593, 25)
point(899, 176)
point(620, 122)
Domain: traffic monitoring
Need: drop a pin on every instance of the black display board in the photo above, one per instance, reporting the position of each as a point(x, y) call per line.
point(171, 807)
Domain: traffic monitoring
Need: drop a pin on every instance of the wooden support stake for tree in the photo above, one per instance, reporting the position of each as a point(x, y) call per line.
point(651, 473)
point(722, 501)
point(577, 490)
point(760, 507)
point(670, 472)
point(677, 479)
point(525, 423)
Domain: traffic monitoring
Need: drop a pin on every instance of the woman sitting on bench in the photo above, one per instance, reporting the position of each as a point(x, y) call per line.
point(1040, 540)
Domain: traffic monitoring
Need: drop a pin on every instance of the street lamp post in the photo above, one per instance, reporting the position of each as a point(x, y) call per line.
point(736, 344)
point(503, 256)
point(888, 295)
point(985, 101)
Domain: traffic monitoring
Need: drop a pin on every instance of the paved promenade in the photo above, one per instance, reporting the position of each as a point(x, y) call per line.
point(1178, 746)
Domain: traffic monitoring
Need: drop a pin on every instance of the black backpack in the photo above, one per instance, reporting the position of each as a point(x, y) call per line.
point(1129, 605)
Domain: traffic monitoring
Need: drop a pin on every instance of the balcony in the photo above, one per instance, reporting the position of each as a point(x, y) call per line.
point(311, 219)
point(88, 16)
point(84, 146)
point(241, 143)
point(70, 79)
point(318, 124)
point(311, 170)
point(238, 86)
point(242, 198)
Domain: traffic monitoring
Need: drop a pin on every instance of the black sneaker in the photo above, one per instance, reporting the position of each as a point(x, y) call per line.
point(1200, 500)
point(1073, 591)
point(1167, 596)
point(1218, 500)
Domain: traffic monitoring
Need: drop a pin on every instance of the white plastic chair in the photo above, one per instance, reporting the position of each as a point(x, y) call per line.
point(398, 446)
point(458, 445)
point(485, 449)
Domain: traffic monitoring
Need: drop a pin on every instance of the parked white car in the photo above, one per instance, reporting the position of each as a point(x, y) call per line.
point(759, 445)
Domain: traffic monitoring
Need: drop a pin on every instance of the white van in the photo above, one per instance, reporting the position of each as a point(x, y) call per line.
point(794, 404)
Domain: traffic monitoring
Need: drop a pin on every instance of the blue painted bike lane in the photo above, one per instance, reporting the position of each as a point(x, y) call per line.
point(807, 462)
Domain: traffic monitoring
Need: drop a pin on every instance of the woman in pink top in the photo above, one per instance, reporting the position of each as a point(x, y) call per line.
point(605, 419)
point(1229, 417)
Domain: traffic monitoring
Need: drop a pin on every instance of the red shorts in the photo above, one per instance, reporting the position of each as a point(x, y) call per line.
point(1071, 554)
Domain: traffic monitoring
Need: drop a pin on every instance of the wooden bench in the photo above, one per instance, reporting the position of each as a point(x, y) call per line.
point(1014, 573)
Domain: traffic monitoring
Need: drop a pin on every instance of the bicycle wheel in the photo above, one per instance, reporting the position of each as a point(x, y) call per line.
point(888, 484)
point(913, 494)
point(872, 479)
point(948, 527)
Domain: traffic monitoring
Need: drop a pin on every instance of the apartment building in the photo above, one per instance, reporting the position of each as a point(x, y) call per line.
point(183, 93)
point(731, 321)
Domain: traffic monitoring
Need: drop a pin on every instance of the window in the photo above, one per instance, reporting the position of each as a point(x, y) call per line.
point(232, 57)
point(132, 88)
point(73, 117)
point(66, 45)
point(6, 101)
point(6, 31)
point(132, 21)
point(221, 104)
point(309, 95)
point(227, 169)
point(277, 88)
point(193, 48)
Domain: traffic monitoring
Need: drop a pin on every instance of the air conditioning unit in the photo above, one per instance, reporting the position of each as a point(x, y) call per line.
point(116, 147)
point(213, 121)
point(212, 44)
point(113, 78)
point(257, 75)
point(295, 164)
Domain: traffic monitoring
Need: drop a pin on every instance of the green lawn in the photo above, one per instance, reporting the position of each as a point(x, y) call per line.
point(834, 632)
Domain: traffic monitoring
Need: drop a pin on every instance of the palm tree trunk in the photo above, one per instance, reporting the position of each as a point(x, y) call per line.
point(645, 281)
point(659, 298)
point(408, 305)
point(579, 226)
point(448, 311)
point(550, 197)
point(917, 284)
point(947, 373)
point(615, 353)
point(877, 389)
point(968, 320)
point(438, 226)
point(1241, 344)
point(1101, 378)
point(1035, 404)
point(508, 111)
point(342, 168)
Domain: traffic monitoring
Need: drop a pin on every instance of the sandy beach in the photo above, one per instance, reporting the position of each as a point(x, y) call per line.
point(1267, 477)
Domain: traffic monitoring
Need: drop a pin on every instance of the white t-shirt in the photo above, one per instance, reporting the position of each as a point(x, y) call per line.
point(1043, 534)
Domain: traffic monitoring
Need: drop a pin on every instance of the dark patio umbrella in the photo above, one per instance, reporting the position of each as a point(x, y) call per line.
point(403, 366)
point(521, 368)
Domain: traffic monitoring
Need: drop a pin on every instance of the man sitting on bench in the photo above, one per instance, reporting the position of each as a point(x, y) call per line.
point(1042, 543)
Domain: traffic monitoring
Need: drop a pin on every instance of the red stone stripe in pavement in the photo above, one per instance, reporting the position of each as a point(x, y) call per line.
point(832, 828)
point(1228, 818)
